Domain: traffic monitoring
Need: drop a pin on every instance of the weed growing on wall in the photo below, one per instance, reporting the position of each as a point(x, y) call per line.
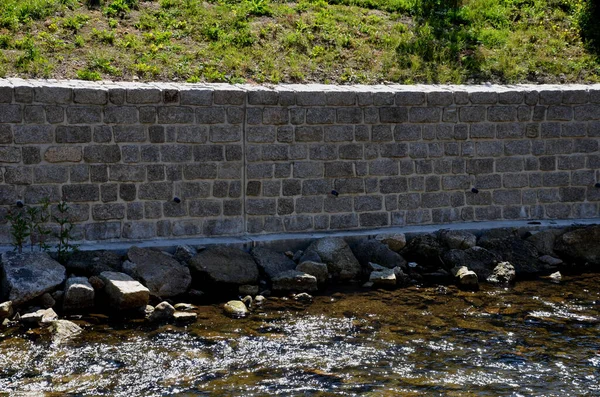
point(31, 224)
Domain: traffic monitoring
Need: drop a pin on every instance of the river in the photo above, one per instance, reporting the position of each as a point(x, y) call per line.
point(534, 339)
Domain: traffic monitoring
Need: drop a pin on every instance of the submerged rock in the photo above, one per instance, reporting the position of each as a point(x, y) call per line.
point(457, 239)
point(337, 255)
point(504, 273)
point(123, 292)
point(79, 294)
point(317, 269)
point(271, 262)
point(227, 265)
point(235, 309)
point(293, 280)
point(375, 251)
point(29, 275)
point(581, 245)
point(163, 275)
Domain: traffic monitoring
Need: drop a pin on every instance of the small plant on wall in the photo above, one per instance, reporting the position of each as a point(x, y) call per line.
point(31, 224)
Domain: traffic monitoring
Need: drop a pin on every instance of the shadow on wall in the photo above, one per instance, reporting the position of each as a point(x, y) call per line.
point(443, 42)
point(588, 21)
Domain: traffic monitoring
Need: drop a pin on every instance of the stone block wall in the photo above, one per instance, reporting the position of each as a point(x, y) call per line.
point(141, 161)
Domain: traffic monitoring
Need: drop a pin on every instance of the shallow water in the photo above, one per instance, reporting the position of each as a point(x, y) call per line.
point(536, 339)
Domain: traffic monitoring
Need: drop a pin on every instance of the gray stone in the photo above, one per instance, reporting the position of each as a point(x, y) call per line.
point(580, 245)
point(293, 280)
point(63, 330)
point(92, 263)
point(467, 279)
point(6, 309)
point(550, 260)
point(235, 309)
point(316, 269)
point(544, 240)
point(375, 251)
point(79, 294)
point(503, 273)
point(123, 292)
point(163, 275)
point(42, 316)
point(337, 255)
point(457, 239)
point(520, 253)
point(29, 275)
point(183, 253)
point(222, 264)
point(383, 278)
point(270, 262)
point(478, 259)
point(163, 312)
point(396, 242)
point(425, 250)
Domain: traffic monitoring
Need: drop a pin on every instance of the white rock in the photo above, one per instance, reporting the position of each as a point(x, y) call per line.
point(124, 292)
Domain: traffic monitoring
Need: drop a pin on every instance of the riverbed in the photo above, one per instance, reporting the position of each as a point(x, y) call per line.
point(537, 338)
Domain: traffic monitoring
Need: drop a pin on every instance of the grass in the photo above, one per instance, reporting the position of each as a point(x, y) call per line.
point(272, 41)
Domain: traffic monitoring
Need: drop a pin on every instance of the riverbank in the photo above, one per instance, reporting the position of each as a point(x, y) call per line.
point(156, 286)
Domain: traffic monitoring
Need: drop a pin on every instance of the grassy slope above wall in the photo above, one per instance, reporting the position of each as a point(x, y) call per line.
point(335, 41)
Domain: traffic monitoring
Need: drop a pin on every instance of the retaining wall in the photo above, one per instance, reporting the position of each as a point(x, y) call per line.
point(142, 161)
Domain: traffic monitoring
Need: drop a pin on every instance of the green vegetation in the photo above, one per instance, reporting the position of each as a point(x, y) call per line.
point(329, 41)
point(31, 224)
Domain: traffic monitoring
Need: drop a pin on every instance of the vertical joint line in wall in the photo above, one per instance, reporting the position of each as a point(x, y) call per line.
point(244, 167)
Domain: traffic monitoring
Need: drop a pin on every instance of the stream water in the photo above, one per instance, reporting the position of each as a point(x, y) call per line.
point(534, 339)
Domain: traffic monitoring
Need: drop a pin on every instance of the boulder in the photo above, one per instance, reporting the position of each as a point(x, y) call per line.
point(383, 278)
point(47, 301)
point(123, 292)
point(497, 234)
point(235, 309)
point(395, 242)
point(222, 264)
point(248, 290)
point(478, 259)
point(426, 250)
point(63, 330)
point(79, 294)
point(465, 278)
point(402, 279)
point(580, 245)
point(317, 269)
point(6, 310)
point(163, 275)
point(375, 251)
point(520, 253)
point(271, 262)
point(504, 273)
point(92, 263)
point(293, 280)
point(337, 255)
point(163, 312)
point(29, 275)
point(544, 240)
point(183, 253)
point(96, 282)
point(457, 239)
point(38, 317)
